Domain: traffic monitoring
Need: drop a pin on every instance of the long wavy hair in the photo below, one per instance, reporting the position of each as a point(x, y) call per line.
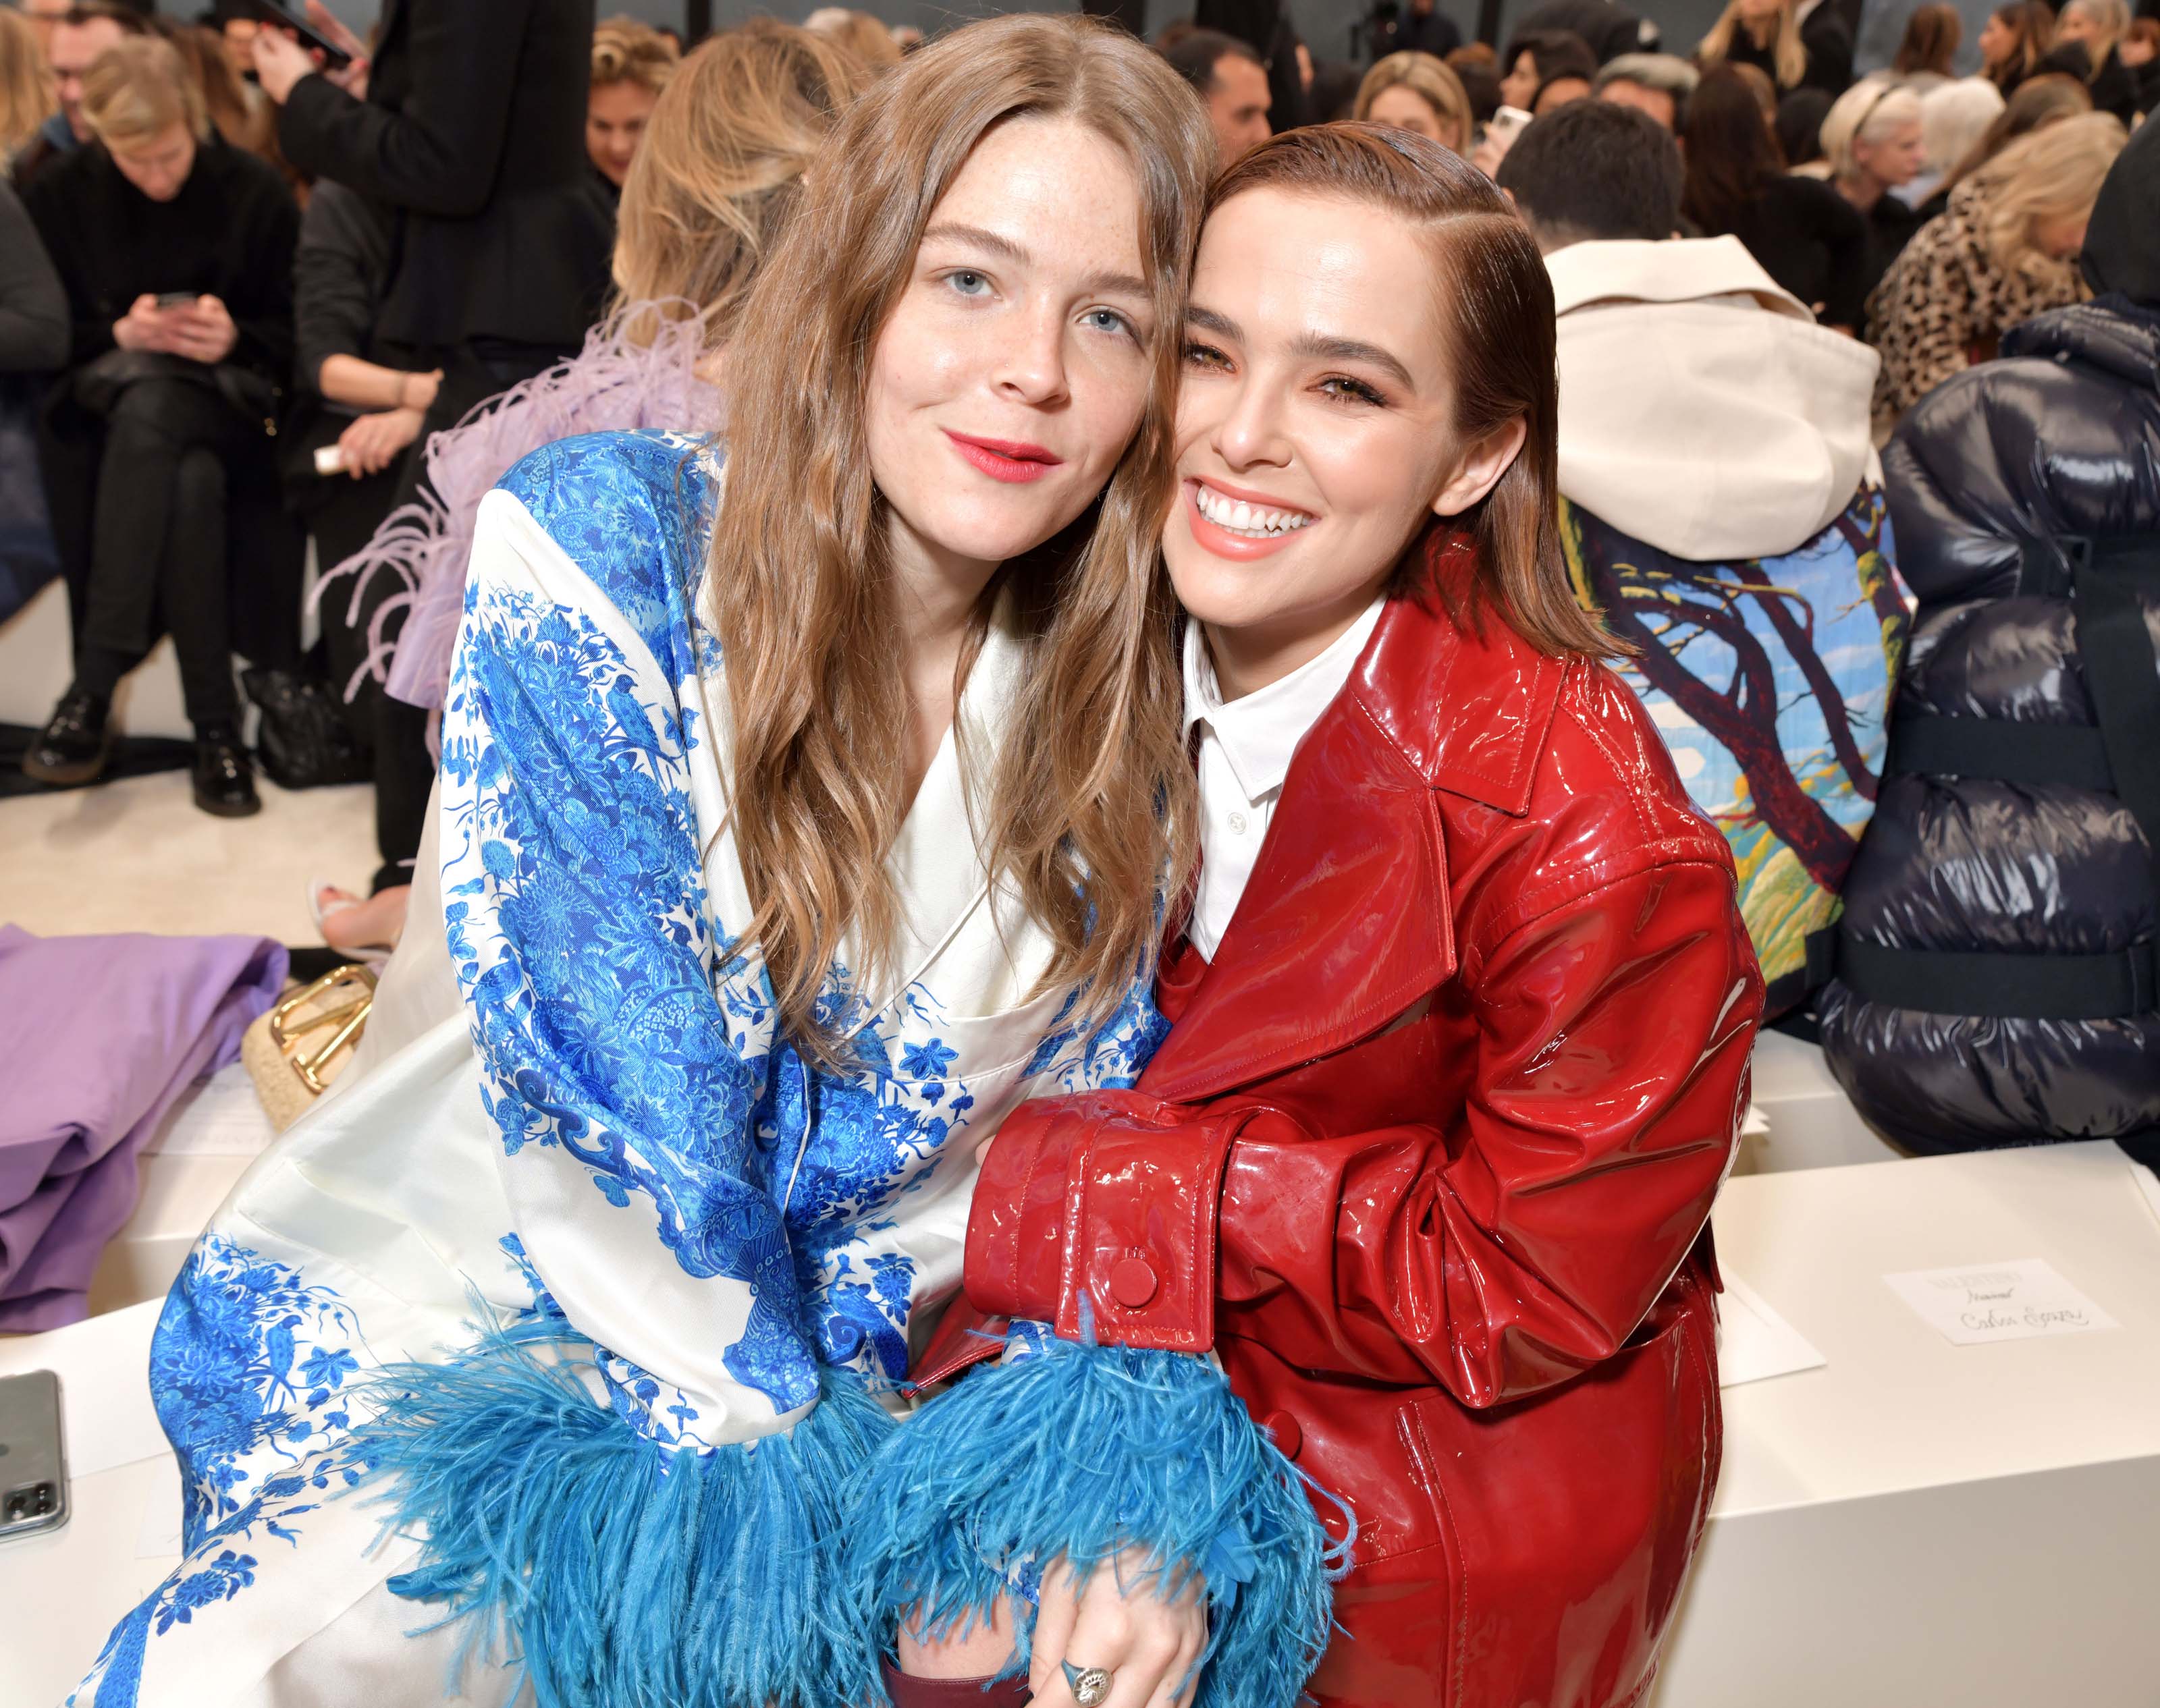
point(26, 99)
point(1088, 813)
point(1495, 302)
point(719, 172)
point(2032, 26)
point(2052, 174)
point(1786, 52)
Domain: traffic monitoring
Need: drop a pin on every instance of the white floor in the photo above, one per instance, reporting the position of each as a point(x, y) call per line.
point(139, 856)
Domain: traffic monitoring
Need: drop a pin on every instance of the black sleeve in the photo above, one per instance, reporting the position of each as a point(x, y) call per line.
point(1844, 234)
point(438, 152)
point(337, 281)
point(55, 205)
point(34, 307)
point(266, 228)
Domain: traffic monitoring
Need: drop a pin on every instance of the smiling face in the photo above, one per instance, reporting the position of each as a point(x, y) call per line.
point(1013, 370)
point(1315, 423)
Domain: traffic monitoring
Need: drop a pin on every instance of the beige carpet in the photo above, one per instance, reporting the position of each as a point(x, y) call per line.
point(139, 856)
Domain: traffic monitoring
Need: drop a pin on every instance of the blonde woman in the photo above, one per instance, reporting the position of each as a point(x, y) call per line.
point(2097, 28)
point(796, 824)
point(632, 64)
point(27, 99)
point(710, 189)
point(1415, 91)
point(1770, 35)
point(2005, 250)
point(1873, 141)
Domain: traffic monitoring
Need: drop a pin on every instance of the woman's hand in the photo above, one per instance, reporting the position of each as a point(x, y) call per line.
point(374, 442)
point(280, 62)
point(143, 327)
point(1147, 1644)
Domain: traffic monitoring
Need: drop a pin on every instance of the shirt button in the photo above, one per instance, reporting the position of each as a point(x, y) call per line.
point(1238, 824)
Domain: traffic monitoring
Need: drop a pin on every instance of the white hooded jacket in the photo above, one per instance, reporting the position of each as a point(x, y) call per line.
point(1701, 409)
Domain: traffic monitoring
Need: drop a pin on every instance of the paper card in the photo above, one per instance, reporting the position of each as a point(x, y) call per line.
point(2148, 1187)
point(1753, 1341)
point(218, 1116)
point(159, 1537)
point(1975, 1304)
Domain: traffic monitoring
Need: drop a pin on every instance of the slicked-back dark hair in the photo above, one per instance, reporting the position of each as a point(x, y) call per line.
point(1495, 305)
point(1194, 55)
point(1594, 170)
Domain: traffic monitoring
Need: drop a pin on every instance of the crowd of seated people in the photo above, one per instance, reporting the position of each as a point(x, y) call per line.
point(247, 299)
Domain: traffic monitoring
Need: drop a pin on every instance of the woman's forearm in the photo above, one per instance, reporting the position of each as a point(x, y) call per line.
point(367, 385)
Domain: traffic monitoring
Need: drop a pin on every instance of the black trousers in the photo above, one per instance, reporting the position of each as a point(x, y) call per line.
point(163, 535)
point(404, 769)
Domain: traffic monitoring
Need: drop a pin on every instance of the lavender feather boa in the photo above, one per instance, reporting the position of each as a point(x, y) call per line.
point(613, 383)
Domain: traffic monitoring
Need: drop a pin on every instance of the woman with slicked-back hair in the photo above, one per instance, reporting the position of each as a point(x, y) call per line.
point(812, 794)
point(1461, 1001)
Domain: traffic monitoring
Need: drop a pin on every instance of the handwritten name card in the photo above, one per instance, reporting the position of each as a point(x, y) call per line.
point(1980, 1303)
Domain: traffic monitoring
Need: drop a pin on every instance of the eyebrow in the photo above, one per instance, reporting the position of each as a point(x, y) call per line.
point(1104, 281)
point(1309, 344)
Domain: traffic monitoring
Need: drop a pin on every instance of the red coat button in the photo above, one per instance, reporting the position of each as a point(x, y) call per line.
point(1283, 1429)
point(1132, 1282)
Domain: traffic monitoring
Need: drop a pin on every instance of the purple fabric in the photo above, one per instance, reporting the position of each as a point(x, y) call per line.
point(98, 1036)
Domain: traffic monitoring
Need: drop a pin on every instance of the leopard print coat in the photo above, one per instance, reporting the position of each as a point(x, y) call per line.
point(1947, 301)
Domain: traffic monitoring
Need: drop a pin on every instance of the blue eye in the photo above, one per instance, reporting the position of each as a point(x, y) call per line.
point(968, 282)
point(1110, 320)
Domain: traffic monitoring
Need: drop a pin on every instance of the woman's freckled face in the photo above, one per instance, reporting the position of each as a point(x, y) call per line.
point(1025, 321)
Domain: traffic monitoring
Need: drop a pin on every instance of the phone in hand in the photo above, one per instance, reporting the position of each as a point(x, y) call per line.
point(269, 12)
point(34, 1485)
point(177, 299)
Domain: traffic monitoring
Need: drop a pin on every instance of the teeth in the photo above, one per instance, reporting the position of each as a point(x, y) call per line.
point(1244, 518)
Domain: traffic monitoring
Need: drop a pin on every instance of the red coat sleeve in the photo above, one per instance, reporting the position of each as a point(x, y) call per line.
point(1497, 1255)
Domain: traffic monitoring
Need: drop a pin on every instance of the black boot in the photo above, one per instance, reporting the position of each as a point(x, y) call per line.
point(73, 745)
point(224, 781)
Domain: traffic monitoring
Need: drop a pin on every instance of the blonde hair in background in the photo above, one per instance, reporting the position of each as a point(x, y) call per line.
point(2111, 17)
point(2054, 173)
point(1090, 808)
point(1431, 81)
point(721, 166)
point(1867, 112)
point(245, 125)
point(1790, 58)
point(27, 99)
point(626, 51)
point(138, 87)
point(859, 32)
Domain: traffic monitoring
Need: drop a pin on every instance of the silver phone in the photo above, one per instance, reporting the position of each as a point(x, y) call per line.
point(33, 1485)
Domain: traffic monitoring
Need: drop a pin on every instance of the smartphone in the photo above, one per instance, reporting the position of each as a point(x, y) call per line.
point(33, 1487)
point(335, 58)
point(177, 299)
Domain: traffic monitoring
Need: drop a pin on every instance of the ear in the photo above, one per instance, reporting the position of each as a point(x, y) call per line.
point(1479, 468)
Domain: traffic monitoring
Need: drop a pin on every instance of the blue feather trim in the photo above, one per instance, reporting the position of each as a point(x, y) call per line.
point(616, 1572)
point(1079, 1452)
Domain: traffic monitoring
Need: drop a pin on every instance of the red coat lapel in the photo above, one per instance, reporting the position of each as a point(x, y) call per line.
point(1346, 921)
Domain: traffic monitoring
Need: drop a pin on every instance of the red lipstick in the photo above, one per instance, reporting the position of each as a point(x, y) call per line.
point(1014, 461)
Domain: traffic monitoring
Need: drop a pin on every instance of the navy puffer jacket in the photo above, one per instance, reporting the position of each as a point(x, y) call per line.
point(1997, 959)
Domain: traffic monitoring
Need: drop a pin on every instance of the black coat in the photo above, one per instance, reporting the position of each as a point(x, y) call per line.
point(473, 132)
point(2006, 874)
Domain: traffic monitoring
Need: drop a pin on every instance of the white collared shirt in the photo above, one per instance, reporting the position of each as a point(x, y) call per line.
point(1245, 749)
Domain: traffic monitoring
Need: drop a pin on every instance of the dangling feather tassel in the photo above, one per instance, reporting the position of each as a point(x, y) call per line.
point(1080, 1452)
point(616, 1572)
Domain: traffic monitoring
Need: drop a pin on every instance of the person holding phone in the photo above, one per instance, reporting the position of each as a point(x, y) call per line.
point(469, 128)
point(175, 249)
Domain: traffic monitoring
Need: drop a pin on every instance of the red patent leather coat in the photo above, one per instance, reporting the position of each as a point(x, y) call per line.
point(1427, 1159)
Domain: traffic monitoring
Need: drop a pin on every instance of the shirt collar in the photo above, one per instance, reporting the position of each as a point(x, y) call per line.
point(1260, 731)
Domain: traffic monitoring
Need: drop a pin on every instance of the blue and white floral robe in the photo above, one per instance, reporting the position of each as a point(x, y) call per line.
point(610, 1134)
